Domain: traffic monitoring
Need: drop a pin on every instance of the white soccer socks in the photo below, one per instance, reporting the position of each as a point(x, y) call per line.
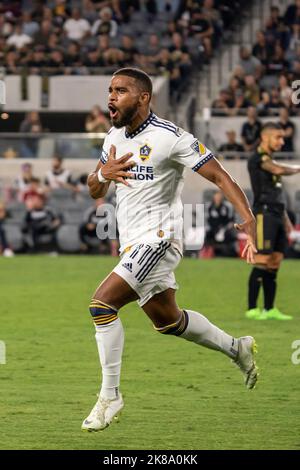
point(110, 342)
point(199, 330)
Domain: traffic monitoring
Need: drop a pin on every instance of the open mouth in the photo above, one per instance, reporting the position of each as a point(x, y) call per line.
point(113, 112)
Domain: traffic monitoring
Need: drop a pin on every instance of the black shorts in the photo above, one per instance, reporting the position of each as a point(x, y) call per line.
point(271, 235)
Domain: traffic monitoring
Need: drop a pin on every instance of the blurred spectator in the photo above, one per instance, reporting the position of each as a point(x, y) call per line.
point(29, 26)
point(292, 14)
point(55, 64)
point(18, 39)
point(42, 36)
point(89, 12)
point(4, 245)
point(234, 85)
point(39, 221)
point(250, 64)
point(11, 62)
point(240, 102)
point(214, 16)
point(129, 50)
point(275, 100)
point(31, 125)
point(261, 49)
point(76, 27)
point(152, 47)
point(289, 130)
point(251, 130)
point(6, 27)
point(263, 107)
point(88, 234)
point(285, 90)
point(111, 55)
point(23, 181)
point(34, 188)
point(105, 24)
point(72, 56)
point(251, 90)
point(294, 38)
point(37, 59)
point(58, 176)
point(93, 61)
point(96, 121)
point(276, 64)
point(220, 233)
point(201, 28)
point(276, 30)
point(223, 104)
point(179, 52)
point(81, 184)
point(166, 66)
point(231, 145)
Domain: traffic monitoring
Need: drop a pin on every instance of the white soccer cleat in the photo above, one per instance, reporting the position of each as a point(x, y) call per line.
point(245, 360)
point(103, 414)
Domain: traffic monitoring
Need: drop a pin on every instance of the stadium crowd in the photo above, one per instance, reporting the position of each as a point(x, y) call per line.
point(63, 37)
point(263, 76)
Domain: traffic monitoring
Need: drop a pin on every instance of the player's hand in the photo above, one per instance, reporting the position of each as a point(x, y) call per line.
point(249, 227)
point(117, 169)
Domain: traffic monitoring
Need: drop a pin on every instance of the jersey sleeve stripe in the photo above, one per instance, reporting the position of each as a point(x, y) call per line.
point(202, 162)
point(164, 127)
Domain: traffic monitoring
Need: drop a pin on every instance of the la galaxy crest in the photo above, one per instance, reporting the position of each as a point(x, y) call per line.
point(145, 151)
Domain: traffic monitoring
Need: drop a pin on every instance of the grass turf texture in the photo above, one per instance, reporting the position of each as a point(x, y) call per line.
point(177, 395)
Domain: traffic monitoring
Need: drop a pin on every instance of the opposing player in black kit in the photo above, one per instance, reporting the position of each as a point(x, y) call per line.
point(273, 223)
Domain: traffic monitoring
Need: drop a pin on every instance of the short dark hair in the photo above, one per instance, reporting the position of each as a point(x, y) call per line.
point(139, 75)
point(272, 126)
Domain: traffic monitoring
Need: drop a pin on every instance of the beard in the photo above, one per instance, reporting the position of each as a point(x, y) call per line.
point(125, 117)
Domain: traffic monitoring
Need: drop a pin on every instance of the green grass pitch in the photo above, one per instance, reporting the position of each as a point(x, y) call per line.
point(177, 395)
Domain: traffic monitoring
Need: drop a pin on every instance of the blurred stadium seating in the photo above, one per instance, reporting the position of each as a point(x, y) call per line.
point(229, 57)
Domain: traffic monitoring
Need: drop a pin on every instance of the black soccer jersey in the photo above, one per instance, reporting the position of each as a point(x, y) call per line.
point(267, 188)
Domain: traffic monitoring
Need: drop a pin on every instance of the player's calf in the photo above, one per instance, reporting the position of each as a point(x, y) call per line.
point(175, 328)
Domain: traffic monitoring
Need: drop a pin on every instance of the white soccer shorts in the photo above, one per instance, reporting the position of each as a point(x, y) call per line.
point(148, 268)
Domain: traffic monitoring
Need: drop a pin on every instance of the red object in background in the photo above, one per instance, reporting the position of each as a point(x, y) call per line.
point(207, 252)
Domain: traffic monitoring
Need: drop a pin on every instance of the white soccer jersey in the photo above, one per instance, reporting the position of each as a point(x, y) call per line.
point(150, 209)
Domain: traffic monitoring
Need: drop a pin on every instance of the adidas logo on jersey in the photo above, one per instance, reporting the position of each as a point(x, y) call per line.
point(127, 266)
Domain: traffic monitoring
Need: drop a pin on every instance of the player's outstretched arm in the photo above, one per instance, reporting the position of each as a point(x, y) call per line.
point(280, 169)
point(216, 173)
point(113, 170)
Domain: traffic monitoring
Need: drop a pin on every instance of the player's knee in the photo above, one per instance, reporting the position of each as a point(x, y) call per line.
point(102, 313)
point(176, 328)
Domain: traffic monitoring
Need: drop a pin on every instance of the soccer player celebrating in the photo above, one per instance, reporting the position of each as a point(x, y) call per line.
point(273, 223)
point(149, 180)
